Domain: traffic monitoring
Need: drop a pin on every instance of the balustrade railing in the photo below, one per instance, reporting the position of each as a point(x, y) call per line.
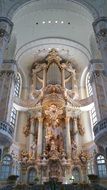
point(100, 127)
point(6, 128)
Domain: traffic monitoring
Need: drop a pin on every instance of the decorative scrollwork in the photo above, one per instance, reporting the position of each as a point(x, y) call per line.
point(83, 157)
point(101, 34)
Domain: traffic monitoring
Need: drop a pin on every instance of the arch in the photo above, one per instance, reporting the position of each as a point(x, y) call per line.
point(76, 174)
point(17, 91)
point(88, 6)
point(92, 112)
point(31, 175)
point(18, 84)
point(6, 166)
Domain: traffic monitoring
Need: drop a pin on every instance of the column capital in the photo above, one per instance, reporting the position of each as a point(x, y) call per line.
point(8, 66)
point(32, 119)
point(6, 26)
point(75, 118)
point(40, 119)
point(67, 118)
point(100, 29)
point(96, 69)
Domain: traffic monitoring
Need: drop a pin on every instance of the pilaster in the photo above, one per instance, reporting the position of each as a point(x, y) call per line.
point(5, 32)
point(7, 81)
point(100, 29)
point(39, 140)
point(75, 130)
point(31, 136)
point(68, 138)
point(63, 77)
point(44, 76)
point(99, 86)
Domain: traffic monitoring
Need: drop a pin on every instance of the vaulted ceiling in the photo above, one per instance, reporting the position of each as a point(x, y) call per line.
point(40, 25)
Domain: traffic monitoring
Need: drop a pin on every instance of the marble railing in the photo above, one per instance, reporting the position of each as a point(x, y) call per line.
point(6, 133)
point(100, 131)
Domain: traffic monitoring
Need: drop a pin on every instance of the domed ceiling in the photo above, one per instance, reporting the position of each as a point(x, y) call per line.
point(39, 26)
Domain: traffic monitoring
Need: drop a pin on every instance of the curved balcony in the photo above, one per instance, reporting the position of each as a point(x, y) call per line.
point(6, 133)
point(100, 132)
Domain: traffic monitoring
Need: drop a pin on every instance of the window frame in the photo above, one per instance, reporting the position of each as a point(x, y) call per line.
point(102, 173)
point(31, 175)
point(17, 91)
point(92, 112)
point(79, 174)
point(6, 166)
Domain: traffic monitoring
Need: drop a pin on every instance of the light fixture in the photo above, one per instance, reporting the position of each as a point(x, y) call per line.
point(43, 22)
point(49, 21)
point(56, 22)
point(62, 22)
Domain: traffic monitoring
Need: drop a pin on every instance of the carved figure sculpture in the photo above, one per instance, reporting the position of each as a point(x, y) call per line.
point(83, 157)
point(73, 149)
point(33, 149)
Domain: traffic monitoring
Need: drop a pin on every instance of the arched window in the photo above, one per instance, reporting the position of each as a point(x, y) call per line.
point(101, 166)
point(31, 175)
point(6, 167)
point(17, 85)
point(16, 93)
point(76, 174)
point(92, 112)
point(16, 168)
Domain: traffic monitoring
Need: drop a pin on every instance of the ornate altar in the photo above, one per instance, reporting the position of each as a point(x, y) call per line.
point(53, 124)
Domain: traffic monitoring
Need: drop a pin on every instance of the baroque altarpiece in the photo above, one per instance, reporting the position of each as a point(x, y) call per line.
point(53, 128)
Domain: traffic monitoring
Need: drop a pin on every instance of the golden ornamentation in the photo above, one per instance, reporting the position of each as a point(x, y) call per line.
point(53, 57)
point(83, 157)
point(53, 112)
point(24, 156)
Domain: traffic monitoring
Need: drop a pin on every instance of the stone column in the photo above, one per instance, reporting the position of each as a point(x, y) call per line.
point(63, 77)
point(74, 84)
point(5, 31)
point(99, 86)
point(44, 76)
point(32, 128)
point(75, 127)
point(8, 71)
point(68, 137)
point(39, 140)
point(100, 29)
point(34, 79)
